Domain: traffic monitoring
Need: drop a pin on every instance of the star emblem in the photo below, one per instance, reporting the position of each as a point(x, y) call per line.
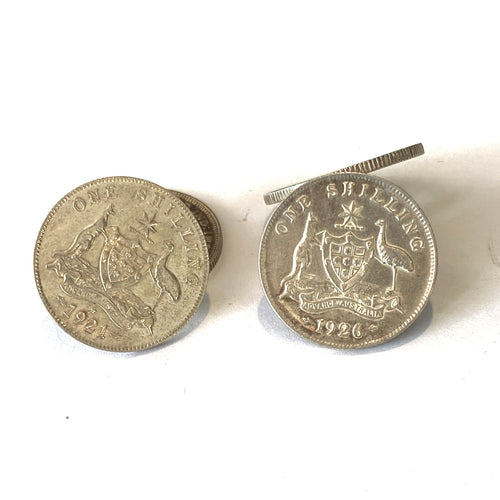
point(350, 214)
point(147, 225)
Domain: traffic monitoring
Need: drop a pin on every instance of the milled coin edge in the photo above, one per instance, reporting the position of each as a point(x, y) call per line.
point(363, 167)
point(36, 261)
point(429, 235)
point(214, 258)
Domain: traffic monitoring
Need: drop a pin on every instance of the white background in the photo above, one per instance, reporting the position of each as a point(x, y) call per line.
point(225, 101)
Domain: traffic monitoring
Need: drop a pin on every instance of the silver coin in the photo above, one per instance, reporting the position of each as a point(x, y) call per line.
point(348, 260)
point(364, 167)
point(121, 264)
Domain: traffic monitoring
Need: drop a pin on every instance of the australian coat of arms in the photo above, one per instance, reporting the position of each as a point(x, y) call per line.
point(330, 269)
point(122, 263)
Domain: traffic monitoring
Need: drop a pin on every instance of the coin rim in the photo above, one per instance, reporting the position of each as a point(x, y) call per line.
point(428, 232)
point(214, 258)
point(36, 262)
point(363, 167)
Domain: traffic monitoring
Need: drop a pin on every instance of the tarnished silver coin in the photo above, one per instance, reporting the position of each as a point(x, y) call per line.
point(348, 260)
point(121, 264)
point(208, 222)
point(364, 167)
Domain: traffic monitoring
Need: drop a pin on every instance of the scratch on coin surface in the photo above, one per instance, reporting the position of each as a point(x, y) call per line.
point(493, 255)
point(246, 216)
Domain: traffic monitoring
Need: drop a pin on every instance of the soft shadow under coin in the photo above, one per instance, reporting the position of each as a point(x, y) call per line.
point(416, 329)
point(197, 319)
point(273, 325)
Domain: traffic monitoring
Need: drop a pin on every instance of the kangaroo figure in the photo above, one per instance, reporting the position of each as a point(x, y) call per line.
point(85, 238)
point(302, 255)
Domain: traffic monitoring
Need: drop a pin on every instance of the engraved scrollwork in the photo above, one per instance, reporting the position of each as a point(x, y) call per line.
point(344, 257)
point(108, 285)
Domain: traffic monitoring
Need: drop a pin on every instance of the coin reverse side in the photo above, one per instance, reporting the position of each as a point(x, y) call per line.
point(121, 264)
point(348, 260)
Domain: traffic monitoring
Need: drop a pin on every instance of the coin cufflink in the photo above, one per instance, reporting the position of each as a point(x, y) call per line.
point(122, 264)
point(348, 260)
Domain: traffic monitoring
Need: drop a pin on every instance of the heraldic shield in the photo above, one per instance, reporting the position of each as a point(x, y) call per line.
point(346, 258)
point(123, 262)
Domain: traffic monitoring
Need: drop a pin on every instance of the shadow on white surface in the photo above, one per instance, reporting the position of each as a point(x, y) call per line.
point(197, 319)
point(274, 326)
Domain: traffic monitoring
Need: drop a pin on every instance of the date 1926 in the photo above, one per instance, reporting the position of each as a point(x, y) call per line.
point(341, 329)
